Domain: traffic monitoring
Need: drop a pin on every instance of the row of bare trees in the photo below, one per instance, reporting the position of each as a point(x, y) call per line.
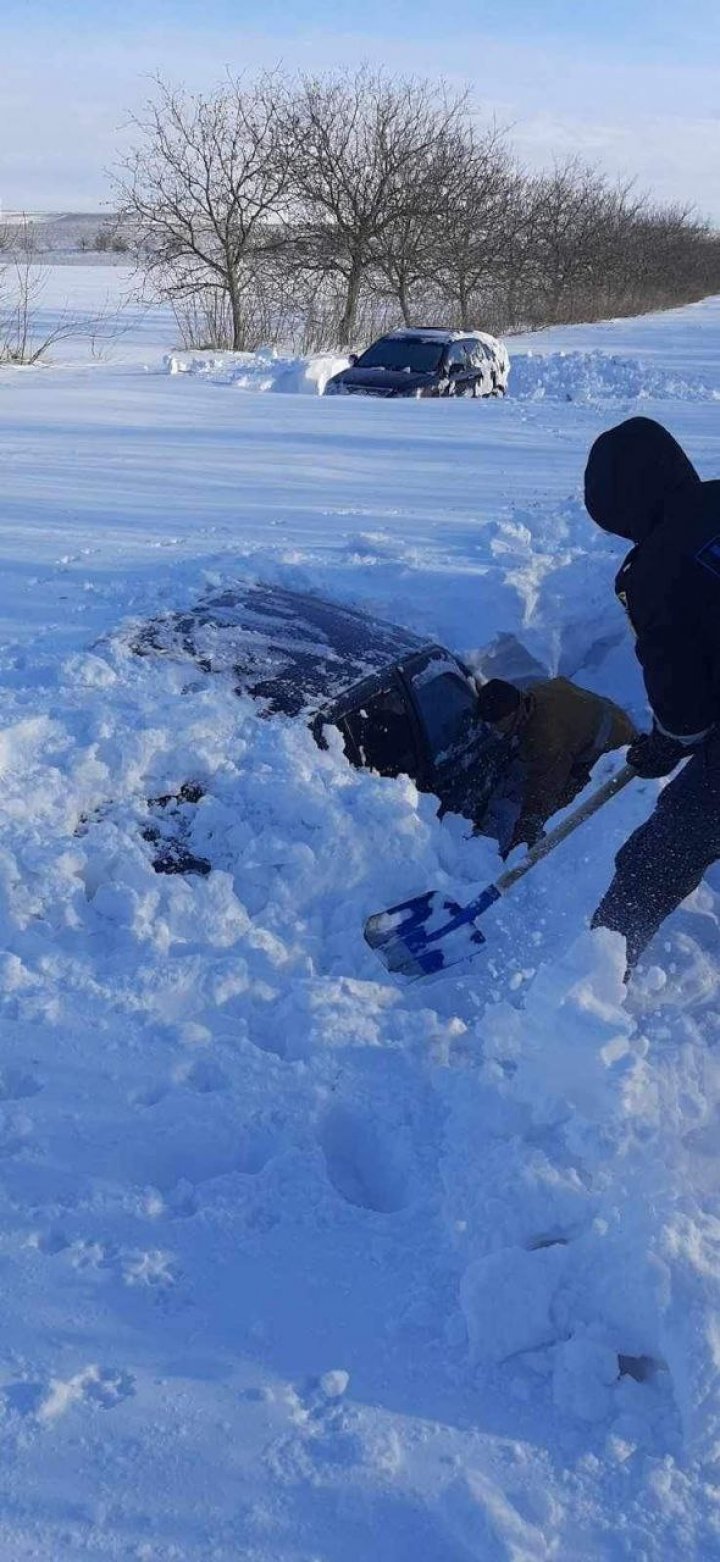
point(317, 211)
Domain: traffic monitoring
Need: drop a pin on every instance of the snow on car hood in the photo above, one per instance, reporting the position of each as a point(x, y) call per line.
point(405, 380)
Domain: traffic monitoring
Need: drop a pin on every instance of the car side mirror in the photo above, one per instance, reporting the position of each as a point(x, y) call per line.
point(454, 368)
point(352, 359)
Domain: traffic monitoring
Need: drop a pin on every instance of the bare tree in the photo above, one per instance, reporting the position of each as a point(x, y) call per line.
point(404, 251)
point(27, 329)
point(502, 301)
point(360, 167)
point(470, 221)
point(571, 206)
point(205, 190)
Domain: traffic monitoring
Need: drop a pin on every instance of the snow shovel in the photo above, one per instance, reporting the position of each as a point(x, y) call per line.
point(415, 937)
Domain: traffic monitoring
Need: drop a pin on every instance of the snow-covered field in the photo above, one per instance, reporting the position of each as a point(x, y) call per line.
point(299, 1264)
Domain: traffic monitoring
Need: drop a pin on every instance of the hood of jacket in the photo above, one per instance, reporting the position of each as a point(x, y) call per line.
point(632, 471)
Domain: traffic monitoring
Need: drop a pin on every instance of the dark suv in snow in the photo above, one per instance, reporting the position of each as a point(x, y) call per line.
point(426, 362)
point(404, 705)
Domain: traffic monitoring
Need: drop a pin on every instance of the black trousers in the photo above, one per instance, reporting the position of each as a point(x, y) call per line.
point(666, 858)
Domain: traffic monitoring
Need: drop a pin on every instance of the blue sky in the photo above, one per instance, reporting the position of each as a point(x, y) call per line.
point(631, 84)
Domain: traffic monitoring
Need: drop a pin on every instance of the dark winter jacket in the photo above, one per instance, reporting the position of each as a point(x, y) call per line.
point(565, 731)
point(559, 732)
point(639, 484)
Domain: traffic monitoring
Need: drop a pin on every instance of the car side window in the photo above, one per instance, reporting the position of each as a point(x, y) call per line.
point(478, 355)
point(382, 732)
point(448, 708)
point(457, 357)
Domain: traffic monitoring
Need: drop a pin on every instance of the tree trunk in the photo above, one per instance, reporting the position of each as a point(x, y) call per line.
point(511, 297)
point(236, 321)
point(463, 304)
point(404, 302)
point(346, 328)
point(237, 325)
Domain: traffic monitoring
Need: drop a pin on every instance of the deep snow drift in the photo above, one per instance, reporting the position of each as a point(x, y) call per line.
point(300, 1264)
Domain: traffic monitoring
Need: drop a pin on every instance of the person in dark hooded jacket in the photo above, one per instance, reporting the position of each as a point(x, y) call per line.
point(639, 484)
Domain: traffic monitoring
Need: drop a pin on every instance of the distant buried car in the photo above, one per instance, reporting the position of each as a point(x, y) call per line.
point(403, 705)
point(426, 362)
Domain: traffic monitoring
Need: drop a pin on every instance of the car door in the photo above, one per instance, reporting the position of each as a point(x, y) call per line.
point(458, 370)
point(381, 733)
point(482, 367)
point(464, 757)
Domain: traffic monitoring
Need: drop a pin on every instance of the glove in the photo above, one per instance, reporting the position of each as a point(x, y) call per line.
point(653, 754)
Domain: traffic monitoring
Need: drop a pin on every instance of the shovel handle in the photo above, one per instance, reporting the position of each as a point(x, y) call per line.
point(562, 831)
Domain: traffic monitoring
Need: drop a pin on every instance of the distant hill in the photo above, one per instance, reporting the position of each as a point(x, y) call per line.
point(69, 236)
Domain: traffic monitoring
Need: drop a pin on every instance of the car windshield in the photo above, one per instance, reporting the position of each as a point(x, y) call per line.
point(406, 352)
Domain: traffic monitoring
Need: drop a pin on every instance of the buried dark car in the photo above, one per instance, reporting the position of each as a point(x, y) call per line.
point(403, 705)
point(426, 362)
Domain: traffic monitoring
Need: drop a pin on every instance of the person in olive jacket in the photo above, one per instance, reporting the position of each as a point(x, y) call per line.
point(558, 731)
point(640, 485)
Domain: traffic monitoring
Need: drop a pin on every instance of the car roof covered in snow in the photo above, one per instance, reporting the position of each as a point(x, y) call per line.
point(422, 330)
point(294, 650)
point(436, 333)
point(433, 333)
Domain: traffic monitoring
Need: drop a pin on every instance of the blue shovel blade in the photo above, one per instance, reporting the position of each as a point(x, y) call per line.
point(425, 935)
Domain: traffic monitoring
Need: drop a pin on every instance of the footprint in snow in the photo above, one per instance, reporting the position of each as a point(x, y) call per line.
point(17, 1084)
point(364, 1167)
point(150, 1095)
point(15, 1134)
point(100, 1387)
point(323, 1429)
point(204, 1076)
point(134, 1266)
point(51, 1242)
